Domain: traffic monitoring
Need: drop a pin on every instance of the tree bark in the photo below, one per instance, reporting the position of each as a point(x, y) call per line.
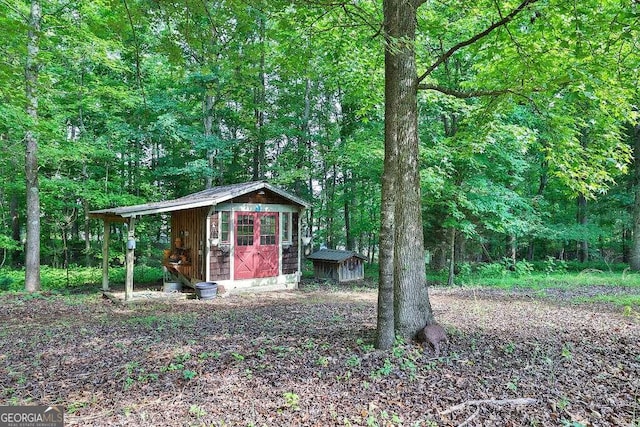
point(385, 332)
point(32, 249)
point(401, 241)
point(511, 251)
point(411, 300)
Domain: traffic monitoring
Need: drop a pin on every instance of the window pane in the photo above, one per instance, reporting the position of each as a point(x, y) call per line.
point(268, 230)
point(224, 227)
point(245, 230)
point(286, 227)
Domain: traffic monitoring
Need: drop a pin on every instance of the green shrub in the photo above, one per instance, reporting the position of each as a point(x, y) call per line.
point(6, 283)
point(523, 268)
point(495, 269)
point(56, 279)
point(552, 265)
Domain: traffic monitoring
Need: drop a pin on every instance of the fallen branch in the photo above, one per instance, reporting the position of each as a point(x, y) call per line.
point(468, 420)
point(501, 402)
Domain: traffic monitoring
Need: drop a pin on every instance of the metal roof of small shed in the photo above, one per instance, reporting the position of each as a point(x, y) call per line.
point(334, 255)
point(210, 196)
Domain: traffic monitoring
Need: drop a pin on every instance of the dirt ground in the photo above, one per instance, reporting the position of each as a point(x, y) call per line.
point(305, 358)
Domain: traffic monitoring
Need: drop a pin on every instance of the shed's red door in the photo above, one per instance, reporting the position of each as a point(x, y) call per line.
point(256, 252)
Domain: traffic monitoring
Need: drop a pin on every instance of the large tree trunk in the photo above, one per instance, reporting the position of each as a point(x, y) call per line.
point(401, 242)
point(32, 249)
point(634, 260)
point(385, 333)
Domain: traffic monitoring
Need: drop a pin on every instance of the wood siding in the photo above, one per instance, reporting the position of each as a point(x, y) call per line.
point(190, 226)
point(345, 271)
point(268, 198)
point(219, 261)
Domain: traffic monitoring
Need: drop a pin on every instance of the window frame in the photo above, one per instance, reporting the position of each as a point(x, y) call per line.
point(286, 227)
point(221, 230)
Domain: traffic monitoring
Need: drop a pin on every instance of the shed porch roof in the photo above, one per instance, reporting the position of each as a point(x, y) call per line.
point(208, 197)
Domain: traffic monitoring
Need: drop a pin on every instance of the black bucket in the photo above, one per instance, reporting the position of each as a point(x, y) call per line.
point(206, 290)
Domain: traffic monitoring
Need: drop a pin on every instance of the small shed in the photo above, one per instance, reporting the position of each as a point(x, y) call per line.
point(240, 236)
point(341, 266)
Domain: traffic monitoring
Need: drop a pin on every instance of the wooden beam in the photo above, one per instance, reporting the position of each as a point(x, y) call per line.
point(128, 278)
point(105, 255)
point(108, 217)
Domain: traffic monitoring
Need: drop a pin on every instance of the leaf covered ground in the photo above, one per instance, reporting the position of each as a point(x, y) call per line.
point(305, 358)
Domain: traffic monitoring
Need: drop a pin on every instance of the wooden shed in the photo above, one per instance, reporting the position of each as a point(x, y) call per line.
point(341, 266)
point(240, 236)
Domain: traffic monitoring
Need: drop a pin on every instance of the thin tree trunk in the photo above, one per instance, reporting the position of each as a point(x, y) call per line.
point(511, 248)
point(137, 52)
point(582, 218)
point(15, 225)
point(542, 185)
point(347, 222)
point(207, 108)
point(582, 214)
point(32, 249)
point(87, 233)
point(634, 252)
point(260, 100)
point(452, 260)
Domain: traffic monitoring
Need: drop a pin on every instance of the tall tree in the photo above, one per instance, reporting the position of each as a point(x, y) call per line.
point(401, 241)
point(402, 266)
point(32, 260)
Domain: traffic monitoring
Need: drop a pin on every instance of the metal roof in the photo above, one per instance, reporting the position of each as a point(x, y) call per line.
point(334, 255)
point(208, 197)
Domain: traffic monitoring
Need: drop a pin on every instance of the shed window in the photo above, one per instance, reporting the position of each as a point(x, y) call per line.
point(245, 230)
point(286, 227)
point(268, 230)
point(224, 227)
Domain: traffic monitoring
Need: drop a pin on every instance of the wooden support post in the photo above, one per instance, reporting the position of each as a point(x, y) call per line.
point(105, 255)
point(301, 248)
point(131, 247)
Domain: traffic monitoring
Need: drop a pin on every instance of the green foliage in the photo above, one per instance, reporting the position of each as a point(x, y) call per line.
point(76, 278)
point(188, 374)
point(294, 94)
point(552, 265)
point(197, 411)
point(292, 400)
point(553, 276)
